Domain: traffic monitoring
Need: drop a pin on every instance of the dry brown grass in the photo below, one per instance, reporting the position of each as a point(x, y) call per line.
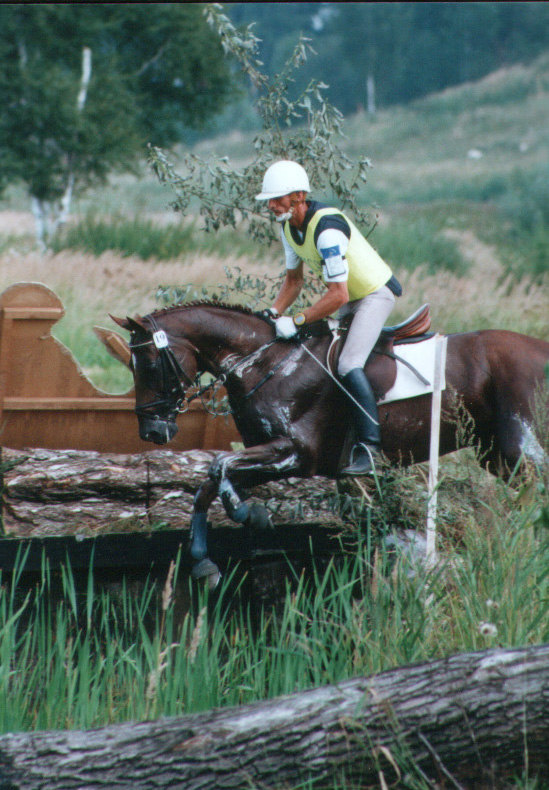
point(483, 299)
point(90, 287)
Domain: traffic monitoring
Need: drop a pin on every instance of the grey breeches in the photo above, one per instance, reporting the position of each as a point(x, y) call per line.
point(369, 317)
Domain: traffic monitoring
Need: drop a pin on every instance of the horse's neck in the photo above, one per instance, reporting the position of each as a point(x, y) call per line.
point(228, 334)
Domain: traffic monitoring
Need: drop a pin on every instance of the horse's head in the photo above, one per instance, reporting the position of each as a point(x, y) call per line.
point(162, 370)
point(167, 349)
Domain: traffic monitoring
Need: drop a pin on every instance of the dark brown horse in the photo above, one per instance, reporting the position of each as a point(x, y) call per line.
point(292, 416)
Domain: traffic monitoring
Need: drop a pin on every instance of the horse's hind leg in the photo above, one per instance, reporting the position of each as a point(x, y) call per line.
point(203, 567)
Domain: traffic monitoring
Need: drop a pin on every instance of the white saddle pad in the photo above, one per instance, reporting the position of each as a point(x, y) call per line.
point(422, 357)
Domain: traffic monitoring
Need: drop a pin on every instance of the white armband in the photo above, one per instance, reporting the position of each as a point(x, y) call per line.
point(332, 245)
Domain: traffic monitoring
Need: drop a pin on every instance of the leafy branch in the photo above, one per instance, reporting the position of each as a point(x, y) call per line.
point(251, 291)
point(305, 129)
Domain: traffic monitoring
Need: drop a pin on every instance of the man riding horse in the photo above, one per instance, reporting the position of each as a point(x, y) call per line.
point(359, 285)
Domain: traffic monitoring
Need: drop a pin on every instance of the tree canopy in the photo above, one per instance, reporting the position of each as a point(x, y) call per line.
point(84, 88)
point(408, 49)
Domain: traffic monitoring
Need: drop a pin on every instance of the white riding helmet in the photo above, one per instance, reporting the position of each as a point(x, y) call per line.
point(281, 178)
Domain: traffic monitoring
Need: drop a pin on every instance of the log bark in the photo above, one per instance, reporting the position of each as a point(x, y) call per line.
point(52, 492)
point(468, 721)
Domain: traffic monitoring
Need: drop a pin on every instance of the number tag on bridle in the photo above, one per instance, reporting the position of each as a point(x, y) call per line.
point(160, 339)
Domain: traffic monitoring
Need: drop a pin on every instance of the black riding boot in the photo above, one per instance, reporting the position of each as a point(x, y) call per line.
point(366, 450)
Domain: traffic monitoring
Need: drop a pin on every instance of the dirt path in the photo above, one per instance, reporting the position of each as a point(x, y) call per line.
point(483, 256)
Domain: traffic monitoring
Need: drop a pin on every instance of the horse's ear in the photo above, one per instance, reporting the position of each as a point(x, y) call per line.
point(115, 344)
point(131, 324)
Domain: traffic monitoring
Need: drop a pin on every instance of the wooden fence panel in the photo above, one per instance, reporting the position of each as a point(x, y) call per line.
point(46, 401)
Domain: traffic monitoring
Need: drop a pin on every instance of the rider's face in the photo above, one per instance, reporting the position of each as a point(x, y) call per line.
point(281, 205)
point(290, 207)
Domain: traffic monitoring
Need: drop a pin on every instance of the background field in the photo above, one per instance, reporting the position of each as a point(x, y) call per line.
point(458, 197)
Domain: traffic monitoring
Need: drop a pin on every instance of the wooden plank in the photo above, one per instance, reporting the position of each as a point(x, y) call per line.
point(40, 313)
point(24, 403)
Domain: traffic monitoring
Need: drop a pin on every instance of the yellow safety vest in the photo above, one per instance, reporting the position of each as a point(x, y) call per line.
point(367, 270)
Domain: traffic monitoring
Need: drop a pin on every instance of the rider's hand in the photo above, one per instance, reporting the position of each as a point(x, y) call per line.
point(270, 313)
point(285, 327)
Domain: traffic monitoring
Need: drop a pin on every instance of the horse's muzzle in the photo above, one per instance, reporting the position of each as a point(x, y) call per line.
point(157, 430)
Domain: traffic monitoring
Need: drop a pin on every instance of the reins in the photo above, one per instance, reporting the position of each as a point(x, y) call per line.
point(338, 383)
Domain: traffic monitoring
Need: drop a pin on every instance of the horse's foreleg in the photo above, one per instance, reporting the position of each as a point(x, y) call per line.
point(232, 471)
point(203, 566)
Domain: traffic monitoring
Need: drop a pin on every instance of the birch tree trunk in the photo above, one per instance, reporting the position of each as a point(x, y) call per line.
point(371, 94)
point(65, 202)
point(469, 721)
point(51, 215)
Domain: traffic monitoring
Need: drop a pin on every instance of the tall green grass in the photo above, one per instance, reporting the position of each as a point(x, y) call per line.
point(409, 241)
point(149, 240)
point(413, 241)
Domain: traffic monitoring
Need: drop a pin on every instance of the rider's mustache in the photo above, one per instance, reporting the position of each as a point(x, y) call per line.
point(286, 216)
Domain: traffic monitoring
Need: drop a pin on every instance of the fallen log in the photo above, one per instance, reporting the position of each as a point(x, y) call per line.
point(52, 492)
point(468, 721)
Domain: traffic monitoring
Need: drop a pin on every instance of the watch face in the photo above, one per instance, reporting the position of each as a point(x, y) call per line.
point(299, 319)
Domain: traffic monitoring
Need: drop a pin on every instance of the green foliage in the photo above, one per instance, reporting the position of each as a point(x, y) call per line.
point(524, 205)
point(407, 243)
point(146, 239)
point(148, 78)
point(526, 200)
point(303, 129)
point(409, 49)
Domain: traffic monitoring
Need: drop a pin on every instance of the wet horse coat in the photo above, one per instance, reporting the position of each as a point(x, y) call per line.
point(292, 417)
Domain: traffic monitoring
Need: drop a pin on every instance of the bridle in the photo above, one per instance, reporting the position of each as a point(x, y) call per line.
point(173, 397)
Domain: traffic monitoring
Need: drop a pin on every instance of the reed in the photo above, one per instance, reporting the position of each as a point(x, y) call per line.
point(98, 656)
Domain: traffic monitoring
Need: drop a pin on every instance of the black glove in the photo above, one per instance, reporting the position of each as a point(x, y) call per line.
point(270, 313)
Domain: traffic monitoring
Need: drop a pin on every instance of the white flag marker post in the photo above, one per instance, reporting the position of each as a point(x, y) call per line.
point(440, 361)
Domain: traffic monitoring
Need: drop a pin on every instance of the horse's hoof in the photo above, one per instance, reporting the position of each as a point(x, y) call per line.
point(207, 570)
point(258, 517)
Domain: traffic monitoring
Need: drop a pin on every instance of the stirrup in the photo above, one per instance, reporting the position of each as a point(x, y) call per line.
point(364, 464)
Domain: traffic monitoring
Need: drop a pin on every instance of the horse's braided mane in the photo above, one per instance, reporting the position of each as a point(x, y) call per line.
point(316, 329)
point(205, 303)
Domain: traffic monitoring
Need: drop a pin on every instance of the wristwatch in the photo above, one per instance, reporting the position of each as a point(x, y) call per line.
point(299, 319)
